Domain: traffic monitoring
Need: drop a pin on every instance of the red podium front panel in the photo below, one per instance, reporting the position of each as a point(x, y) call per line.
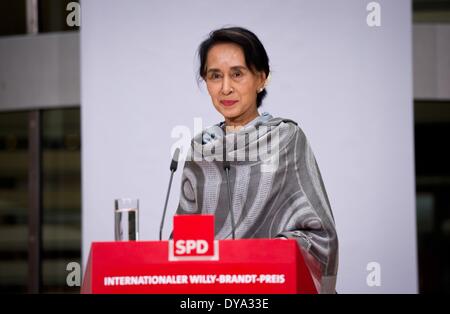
point(248, 266)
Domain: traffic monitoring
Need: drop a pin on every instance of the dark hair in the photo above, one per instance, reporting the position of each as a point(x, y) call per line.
point(256, 58)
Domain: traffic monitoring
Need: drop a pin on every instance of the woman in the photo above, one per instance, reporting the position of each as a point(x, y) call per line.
point(278, 193)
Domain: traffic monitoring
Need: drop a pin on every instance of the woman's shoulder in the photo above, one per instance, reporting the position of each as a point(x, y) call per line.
point(287, 125)
point(287, 131)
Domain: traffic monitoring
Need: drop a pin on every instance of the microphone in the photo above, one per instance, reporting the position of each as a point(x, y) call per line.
point(173, 168)
point(226, 168)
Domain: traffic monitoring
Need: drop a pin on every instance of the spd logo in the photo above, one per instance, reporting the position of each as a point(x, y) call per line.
point(193, 238)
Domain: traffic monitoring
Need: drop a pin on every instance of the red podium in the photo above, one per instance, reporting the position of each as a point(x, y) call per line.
point(190, 266)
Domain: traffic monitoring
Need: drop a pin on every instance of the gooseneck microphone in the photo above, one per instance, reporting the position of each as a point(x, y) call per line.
point(226, 168)
point(173, 168)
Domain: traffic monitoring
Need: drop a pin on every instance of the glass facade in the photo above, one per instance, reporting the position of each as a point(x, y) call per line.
point(13, 202)
point(13, 17)
point(432, 129)
point(61, 173)
point(61, 195)
point(53, 15)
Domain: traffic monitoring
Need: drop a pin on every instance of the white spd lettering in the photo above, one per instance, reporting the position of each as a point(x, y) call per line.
point(191, 246)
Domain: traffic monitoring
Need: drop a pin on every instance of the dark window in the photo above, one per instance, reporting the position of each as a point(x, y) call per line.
point(13, 202)
point(53, 16)
point(61, 198)
point(61, 179)
point(432, 133)
point(13, 17)
point(431, 11)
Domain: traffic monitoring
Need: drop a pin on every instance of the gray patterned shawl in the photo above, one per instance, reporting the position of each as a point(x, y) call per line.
point(285, 198)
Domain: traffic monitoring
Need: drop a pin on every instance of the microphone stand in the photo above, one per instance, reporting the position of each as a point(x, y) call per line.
point(173, 168)
point(226, 167)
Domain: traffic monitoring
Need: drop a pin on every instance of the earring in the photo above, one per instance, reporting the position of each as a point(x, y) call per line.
point(261, 89)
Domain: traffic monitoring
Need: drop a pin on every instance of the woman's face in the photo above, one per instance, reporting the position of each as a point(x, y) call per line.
point(231, 85)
